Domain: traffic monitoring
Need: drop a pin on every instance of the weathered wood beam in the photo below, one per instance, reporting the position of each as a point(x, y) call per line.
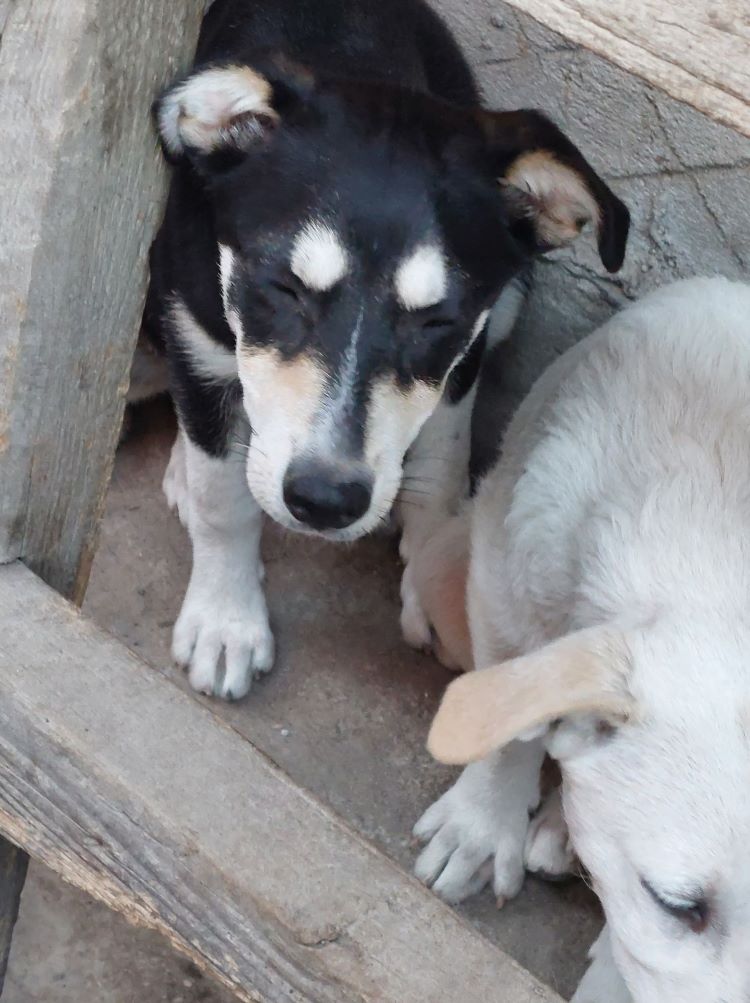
point(134, 791)
point(696, 51)
point(80, 186)
point(13, 864)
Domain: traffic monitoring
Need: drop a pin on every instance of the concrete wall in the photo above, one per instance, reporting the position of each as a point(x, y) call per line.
point(685, 179)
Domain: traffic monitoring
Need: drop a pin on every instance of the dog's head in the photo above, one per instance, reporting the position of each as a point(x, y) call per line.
point(363, 234)
point(652, 729)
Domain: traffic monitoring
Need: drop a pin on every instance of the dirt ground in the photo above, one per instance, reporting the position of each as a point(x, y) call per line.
point(345, 714)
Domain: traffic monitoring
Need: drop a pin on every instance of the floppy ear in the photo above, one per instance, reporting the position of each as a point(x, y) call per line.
point(551, 190)
point(221, 112)
point(583, 673)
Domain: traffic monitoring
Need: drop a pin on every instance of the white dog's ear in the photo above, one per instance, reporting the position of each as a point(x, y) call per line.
point(228, 109)
point(583, 673)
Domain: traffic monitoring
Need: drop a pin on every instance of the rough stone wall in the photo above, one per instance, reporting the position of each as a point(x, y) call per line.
point(685, 179)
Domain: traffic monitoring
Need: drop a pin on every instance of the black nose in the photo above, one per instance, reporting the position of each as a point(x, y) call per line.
point(326, 497)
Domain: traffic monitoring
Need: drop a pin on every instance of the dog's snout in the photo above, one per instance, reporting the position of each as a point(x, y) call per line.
point(326, 497)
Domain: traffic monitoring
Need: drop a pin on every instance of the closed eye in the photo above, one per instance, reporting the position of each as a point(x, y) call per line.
point(286, 290)
point(438, 323)
point(695, 913)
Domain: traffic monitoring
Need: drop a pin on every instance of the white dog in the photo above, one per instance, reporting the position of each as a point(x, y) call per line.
point(609, 607)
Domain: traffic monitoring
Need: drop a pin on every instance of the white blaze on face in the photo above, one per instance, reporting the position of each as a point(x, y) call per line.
point(394, 418)
point(319, 258)
point(422, 278)
point(282, 399)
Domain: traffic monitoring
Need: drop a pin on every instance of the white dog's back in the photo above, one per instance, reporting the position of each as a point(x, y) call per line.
point(646, 423)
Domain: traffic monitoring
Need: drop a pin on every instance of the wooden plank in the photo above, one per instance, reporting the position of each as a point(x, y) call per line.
point(697, 51)
point(13, 864)
point(134, 791)
point(80, 186)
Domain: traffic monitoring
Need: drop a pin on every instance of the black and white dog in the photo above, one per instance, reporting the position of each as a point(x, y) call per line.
point(342, 217)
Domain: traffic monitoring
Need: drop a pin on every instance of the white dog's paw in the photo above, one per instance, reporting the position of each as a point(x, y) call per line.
point(602, 982)
point(236, 629)
point(474, 835)
point(548, 852)
point(175, 485)
point(414, 624)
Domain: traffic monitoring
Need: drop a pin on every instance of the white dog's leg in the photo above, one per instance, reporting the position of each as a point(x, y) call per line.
point(548, 852)
point(174, 484)
point(483, 817)
point(224, 611)
point(436, 473)
point(433, 595)
point(602, 982)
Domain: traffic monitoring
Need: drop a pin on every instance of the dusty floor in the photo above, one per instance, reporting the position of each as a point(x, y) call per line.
point(345, 713)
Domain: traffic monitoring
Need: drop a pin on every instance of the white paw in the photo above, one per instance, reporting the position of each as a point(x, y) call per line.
point(474, 835)
point(175, 485)
point(548, 851)
point(414, 624)
point(235, 628)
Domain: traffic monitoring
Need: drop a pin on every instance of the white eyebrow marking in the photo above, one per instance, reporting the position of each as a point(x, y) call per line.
point(421, 278)
point(319, 259)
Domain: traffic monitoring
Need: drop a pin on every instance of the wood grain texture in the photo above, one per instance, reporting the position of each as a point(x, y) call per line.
point(136, 792)
point(80, 187)
point(13, 865)
point(698, 51)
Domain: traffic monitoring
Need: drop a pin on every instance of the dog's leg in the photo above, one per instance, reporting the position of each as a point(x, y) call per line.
point(433, 595)
point(174, 484)
point(224, 612)
point(602, 982)
point(477, 830)
point(436, 473)
point(548, 852)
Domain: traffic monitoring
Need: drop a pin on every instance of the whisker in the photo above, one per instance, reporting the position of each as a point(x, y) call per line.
point(415, 491)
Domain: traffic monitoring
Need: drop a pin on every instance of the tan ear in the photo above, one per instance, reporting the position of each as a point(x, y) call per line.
point(554, 196)
point(583, 673)
point(550, 188)
point(207, 110)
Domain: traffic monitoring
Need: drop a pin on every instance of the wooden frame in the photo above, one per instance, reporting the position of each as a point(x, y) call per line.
point(80, 182)
point(134, 791)
point(112, 776)
point(697, 52)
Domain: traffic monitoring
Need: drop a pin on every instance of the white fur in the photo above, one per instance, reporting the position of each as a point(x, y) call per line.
point(208, 358)
point(602, 982)
point(422, 278)
point(319, 258)
point(548, 850)
point(477, 830)
point(223, 616)
point(198, 112)
point(623, 498)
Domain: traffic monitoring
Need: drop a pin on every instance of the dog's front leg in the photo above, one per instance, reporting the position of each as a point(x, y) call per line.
point(224, 613)
point(602, 982)
point(436, 473)
point(477, 830)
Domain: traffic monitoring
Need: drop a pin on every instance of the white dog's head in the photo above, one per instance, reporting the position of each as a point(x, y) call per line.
point(652, 729)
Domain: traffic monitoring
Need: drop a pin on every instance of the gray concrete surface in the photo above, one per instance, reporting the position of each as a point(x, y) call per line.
point(346, 711)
